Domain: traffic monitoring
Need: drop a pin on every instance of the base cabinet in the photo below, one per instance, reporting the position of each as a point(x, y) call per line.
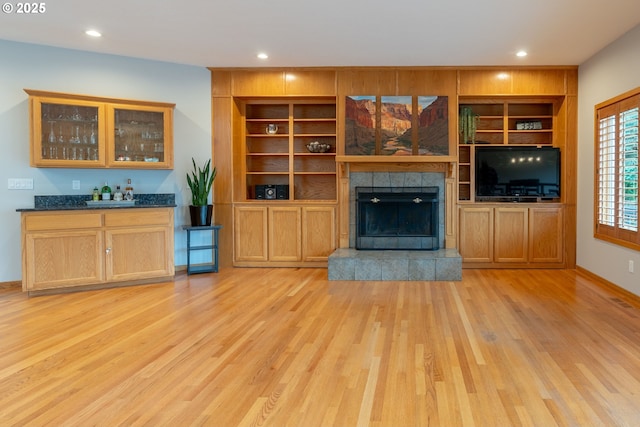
point(510, 237)
point(476, 234)
point(250, 235)
point(67, 249)
point(283, 236)
point(505, 236)
point(285, 231)
point(545, 235)
point(318, 232)
point(129, 257)
point(59, 259)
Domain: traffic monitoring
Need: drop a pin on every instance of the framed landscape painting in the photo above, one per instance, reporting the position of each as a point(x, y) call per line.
point(397, 125)
point(360, 125)
point(433, 126)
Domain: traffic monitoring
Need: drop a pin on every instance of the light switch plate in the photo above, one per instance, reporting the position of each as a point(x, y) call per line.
point(20, 184)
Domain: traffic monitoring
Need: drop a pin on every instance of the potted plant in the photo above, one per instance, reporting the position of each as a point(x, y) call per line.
point(468, 124)
point(200, 181)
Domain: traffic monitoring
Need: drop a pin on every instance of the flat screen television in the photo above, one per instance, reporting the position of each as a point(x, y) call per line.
point(519, 173)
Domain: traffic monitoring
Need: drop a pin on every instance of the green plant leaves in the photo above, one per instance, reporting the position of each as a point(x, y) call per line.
point(200, 181)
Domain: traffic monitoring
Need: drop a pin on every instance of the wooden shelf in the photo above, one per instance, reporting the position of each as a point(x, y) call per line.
point(282, 158)
point(497, 124)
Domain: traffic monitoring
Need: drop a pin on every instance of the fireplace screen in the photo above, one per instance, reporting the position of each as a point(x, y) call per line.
point(398, 218)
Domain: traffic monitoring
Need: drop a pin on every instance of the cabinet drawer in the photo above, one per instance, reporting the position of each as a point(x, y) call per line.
point(138, 217)
point(67, 221)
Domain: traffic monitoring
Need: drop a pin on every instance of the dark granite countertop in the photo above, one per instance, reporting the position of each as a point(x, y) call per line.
point(74, 202)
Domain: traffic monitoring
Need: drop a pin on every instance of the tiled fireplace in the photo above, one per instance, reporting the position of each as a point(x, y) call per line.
point(396, 244)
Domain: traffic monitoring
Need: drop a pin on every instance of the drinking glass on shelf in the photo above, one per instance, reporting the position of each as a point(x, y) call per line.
point(52, 134)
point(60, 137)
point(75, 139)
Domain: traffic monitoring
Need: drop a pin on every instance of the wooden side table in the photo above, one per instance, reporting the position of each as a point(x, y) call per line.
point(211, 267)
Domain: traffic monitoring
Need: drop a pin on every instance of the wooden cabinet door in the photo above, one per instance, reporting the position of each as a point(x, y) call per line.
point(138, 244)
point(476, 234)
point(510, 240)
point(285, 234)
point(512, 82)
point(318, 232)
point(545, 234)
point(250, 236)
point(60, 259)
point(258, 82)
point(139, 136)
point(139, 253)
point(66, 132)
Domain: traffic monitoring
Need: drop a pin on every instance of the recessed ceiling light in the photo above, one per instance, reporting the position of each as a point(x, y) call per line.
point(93, 33)
point(521, 53)
point(263, 55)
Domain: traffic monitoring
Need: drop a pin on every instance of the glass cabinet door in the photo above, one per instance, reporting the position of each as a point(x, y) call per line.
point(80, 131)
point(142, 137)
point(67, 134)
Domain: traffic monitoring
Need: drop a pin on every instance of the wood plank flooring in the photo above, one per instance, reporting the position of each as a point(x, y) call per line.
point(287, 347)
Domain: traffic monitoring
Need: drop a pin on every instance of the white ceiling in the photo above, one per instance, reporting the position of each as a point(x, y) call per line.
point(332, 32)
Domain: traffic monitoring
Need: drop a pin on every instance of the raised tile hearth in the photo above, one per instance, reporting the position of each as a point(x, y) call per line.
point(353, 264)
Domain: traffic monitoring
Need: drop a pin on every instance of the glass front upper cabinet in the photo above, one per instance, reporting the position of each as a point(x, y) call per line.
point(67, 133)
point(75, 131)
point(141, 137)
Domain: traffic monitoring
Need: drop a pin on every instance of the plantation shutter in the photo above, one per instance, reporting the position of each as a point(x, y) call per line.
point(618, 198)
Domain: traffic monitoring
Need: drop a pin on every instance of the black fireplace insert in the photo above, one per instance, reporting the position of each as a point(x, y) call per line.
point(397, 218)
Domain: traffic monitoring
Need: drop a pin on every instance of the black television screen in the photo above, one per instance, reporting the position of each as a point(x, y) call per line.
point(517, 173)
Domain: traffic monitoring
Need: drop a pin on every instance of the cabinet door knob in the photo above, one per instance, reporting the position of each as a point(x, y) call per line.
point(108, 250)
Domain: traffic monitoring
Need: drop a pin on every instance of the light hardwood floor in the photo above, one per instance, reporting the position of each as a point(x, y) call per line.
point(286, 347)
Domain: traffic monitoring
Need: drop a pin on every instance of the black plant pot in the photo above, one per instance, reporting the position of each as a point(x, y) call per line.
point(200, 215)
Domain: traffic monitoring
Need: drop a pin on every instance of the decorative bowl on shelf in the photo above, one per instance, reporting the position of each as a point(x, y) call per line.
point(318, 147)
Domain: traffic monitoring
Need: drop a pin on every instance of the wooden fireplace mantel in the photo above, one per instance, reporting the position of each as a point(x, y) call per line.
point(395, 159)
point(442, 164)
point(446, 165)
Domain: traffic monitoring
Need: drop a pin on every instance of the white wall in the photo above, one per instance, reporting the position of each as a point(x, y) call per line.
point(614, 70)
point(61, 70)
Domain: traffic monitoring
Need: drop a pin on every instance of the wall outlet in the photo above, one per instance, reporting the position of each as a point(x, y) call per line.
point(630, 266)
point(75, 184)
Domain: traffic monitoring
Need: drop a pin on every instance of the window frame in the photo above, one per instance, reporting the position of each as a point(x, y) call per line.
point(611, 155)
